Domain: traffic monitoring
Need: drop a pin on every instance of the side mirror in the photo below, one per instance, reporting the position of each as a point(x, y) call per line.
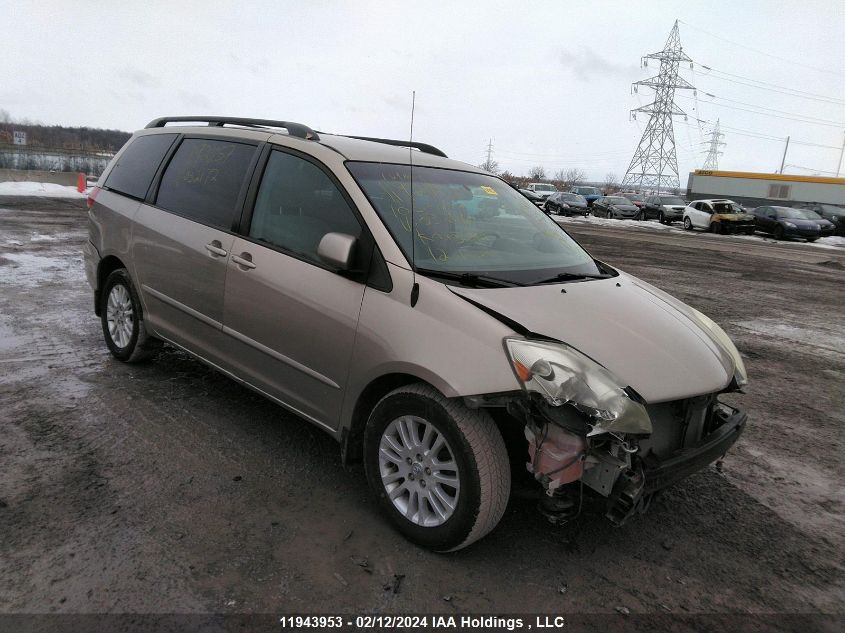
point(338, 250)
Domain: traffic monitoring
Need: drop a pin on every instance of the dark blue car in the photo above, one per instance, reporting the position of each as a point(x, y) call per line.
point(783, 222)
point(591, 194)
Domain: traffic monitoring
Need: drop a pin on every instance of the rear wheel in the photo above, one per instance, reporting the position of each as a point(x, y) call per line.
point(688, 224)
point(122, 321)
point(439, 469)
point(662, 218)
point(778, 233)
point(609, 215)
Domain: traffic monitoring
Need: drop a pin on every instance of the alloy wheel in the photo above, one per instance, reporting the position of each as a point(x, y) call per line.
point(418, 470)
point(120, 315)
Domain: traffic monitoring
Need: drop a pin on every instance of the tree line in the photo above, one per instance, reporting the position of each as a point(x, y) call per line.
point(59, 137)
point(562, 179)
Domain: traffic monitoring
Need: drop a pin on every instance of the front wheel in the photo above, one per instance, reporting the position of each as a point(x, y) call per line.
point(439, 469)
point(662, 218)
point(779, 232)
point(609, 215)
point(688, 224)
point(122, 321)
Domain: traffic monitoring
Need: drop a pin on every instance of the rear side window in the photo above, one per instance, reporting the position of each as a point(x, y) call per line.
point(204, 179)
point(136, 167)
point(297, 205)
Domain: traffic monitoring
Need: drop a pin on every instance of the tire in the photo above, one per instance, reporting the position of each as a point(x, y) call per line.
point(470, 439)
point(609, 215)
point(778, 232)
point(662, 218)
point(122, 320)
point(812, 239)
point(714, 228)
point(688, 224)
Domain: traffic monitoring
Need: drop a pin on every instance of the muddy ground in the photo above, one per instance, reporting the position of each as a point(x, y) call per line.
point(167, 488)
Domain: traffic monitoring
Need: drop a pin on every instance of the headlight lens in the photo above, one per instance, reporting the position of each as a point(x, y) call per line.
point(562, 374)
point(789, 225)
point(740, 375)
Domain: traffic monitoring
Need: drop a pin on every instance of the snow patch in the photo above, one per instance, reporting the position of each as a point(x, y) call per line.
point(42, 189)
point(29, 270)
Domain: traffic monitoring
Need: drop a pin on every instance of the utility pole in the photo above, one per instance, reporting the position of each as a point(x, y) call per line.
point(712, 160)
point(655, 161)
point(783, 160)
point(841, 152)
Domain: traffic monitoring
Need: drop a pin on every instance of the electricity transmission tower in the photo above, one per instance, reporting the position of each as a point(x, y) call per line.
point(712, 160)
point(655, 162)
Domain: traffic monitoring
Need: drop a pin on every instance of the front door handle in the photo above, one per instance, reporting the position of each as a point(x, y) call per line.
point(244, 260)
point(216, 249)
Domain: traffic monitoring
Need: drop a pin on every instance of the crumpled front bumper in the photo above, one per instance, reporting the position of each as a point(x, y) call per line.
point(661, 473)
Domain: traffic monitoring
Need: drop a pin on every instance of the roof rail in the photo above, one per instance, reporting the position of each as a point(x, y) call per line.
point(423, 147)
point(294, 129)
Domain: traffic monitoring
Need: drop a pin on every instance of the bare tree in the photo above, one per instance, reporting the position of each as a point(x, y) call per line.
point(611, 183)
point(538, 172)
point(571, 177)
point(490, 165)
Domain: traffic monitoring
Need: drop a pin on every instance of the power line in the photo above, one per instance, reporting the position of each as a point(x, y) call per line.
point(778, 116)
point(759, 52)
point(785, 90)
point(752, 105)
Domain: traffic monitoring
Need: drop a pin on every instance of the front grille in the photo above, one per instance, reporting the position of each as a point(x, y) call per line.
point(678, 424)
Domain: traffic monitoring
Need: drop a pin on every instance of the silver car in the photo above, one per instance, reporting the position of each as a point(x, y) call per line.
point(419, 310)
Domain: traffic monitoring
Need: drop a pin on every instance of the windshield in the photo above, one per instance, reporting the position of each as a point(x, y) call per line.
point(727, 207)
point(673, 200)
point(797, 214)
point(544, 188)
point(469, 223)
point(573, 197)
point(587, 191)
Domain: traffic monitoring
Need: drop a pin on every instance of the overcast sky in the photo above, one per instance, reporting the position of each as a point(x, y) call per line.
point(549, 82)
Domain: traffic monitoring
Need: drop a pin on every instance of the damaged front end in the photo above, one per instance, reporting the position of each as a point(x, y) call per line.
point(585, 430)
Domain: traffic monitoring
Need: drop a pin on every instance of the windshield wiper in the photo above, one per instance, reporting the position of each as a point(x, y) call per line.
point(470, 279)
point(569, 277)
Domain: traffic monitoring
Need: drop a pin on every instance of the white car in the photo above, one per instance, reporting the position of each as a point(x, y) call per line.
point(542, 189)
point(719, 216)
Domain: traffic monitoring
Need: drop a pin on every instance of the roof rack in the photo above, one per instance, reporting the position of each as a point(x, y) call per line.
point(294, 129)
point(423, 147)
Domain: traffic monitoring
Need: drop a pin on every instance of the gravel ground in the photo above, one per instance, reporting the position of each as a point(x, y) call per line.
point(167, 488)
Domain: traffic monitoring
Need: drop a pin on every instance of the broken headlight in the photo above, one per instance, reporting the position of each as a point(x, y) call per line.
point(740, 375)
point(562, 374)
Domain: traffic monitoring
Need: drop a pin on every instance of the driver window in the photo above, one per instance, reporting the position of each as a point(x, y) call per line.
point(297, 205)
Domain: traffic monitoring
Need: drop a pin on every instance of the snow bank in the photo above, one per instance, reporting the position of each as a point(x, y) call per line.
point(43, 189)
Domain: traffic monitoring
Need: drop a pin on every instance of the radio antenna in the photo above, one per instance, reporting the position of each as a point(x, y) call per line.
point(415, 288)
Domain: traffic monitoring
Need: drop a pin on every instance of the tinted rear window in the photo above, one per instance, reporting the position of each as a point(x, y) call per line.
point(203, 180)
point(136, 167)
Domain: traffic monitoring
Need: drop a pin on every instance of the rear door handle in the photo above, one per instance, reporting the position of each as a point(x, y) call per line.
point(216, 248)
point(244, 260)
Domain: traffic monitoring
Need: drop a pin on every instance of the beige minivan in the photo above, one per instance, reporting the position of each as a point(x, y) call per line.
point(423, 312)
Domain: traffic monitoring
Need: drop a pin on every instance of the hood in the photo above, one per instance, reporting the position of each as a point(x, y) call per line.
point(577, 205)
point(649, 339)
point(734, 217)
point(624, 207)
point(674, 207)
point(805, 224)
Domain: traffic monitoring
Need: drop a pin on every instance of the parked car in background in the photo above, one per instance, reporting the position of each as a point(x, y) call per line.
point(718, 215)
point(566, 204)
point(591, 194)
point(533, 197)
point(542, 189)
point(615, 207)
point(783, 222)
point(637, 198)
point(665, 208)
point(830, 212)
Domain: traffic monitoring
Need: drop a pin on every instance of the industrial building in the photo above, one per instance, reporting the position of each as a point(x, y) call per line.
point(754, 189)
